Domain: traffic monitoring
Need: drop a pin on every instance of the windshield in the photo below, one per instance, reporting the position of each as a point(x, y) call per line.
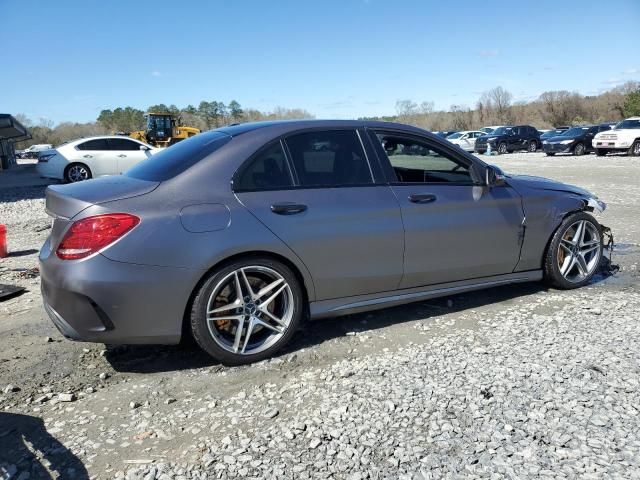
point(176, 159)
point(628, 124)
point(574, 132)
point(160, 123)
point(453, 136)
point(502, 131)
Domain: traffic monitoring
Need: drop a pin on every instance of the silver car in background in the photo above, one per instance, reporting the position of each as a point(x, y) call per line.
point(238, 235)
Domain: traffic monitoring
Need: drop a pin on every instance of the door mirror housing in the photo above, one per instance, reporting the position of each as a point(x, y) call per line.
point(494, 177)
point(144, 148)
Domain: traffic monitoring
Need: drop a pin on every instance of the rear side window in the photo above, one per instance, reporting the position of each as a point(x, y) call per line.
point(123, 144)
point(329, 158)
point(176, 159)
point(98, 144)
point(267, 171)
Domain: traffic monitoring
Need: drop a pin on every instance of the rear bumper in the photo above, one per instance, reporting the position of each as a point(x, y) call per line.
point(101, 300)
point(50, 170)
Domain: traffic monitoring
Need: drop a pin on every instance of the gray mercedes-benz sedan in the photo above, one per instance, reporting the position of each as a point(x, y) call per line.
point(239, 234)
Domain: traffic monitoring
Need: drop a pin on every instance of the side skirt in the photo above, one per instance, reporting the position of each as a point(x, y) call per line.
point(363, 303)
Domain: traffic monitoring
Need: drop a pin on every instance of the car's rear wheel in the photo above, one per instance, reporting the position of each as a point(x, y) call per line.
point(634, 150)
point(247, 310)
point(77, 172)
point(502, 148)
point(533, 146)
point(601, 152)
point(574, 253)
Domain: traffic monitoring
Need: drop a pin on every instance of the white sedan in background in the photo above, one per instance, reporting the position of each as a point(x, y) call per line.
point(92, 157)
point(465, 140)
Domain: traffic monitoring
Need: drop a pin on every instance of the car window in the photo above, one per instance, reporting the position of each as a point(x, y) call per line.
point(420, 161)
point(97, 144)
point(329, 158)
point(267, 171)
point(123, 144)
point(176, 159)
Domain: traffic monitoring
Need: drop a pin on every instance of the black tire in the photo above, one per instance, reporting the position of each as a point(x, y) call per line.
point(578, 149)
point(551, 269)
point(533, 146)
point(502, 148)
point(70, 175)
point(634, 149)
point(550, 154)
point(601, 152)
point(199, 327)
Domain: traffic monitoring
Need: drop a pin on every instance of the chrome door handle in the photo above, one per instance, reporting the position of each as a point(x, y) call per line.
point(288, 208)
point(121, 156)
point(422, 198)
point(88, 156)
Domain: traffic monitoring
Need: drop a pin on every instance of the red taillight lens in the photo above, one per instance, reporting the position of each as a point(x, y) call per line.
point(91, 234)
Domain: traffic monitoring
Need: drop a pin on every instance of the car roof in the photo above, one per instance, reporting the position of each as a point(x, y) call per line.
point(292, 125)
point(100, 137)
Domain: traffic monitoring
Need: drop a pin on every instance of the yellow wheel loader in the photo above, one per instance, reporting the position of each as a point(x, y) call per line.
point(162, 130)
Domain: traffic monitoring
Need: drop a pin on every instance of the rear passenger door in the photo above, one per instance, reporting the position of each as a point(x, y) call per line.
point(317, 191)
point(126, 153)
point(95, 154)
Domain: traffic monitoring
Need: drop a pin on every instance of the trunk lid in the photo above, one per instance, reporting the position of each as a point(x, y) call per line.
point(66, 201)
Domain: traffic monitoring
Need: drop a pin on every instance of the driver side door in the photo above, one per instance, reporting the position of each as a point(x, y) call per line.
point(455, 229)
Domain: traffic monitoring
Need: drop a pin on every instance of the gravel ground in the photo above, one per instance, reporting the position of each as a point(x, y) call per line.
point(512, 382)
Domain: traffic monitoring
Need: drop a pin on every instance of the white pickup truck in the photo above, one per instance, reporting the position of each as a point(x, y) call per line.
point(625, 137)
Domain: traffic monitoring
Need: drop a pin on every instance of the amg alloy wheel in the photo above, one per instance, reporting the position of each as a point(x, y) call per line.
point(77, 172)
point(574, 253)
point(247, 311)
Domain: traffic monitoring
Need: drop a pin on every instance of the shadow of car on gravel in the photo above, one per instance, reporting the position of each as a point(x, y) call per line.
point(186, 356)
point(26, 446)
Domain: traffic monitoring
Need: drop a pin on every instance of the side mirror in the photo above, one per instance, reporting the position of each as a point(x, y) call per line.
point(494, 177)
point(144, 148)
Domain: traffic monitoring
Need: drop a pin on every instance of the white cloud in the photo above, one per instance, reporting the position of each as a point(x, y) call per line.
point(489, 53)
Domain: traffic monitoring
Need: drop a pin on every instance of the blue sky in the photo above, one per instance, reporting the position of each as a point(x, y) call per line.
point(335, 58)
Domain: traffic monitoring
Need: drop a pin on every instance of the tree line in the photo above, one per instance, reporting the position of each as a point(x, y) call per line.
point(550, 109)
point(494, 107)
point(205, 116)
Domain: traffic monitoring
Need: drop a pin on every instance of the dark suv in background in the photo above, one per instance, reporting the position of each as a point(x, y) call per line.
point(509, 139)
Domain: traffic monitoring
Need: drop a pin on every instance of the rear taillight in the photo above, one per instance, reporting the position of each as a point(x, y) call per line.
point(92, 234)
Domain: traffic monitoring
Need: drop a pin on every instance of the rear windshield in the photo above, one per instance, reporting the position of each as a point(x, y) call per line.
point(176, 159)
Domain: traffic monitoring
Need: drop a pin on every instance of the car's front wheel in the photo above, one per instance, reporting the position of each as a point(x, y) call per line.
point(77, 172)
point(574, 252)
point(247, 310)
point(578, 149)
point(502, 148)
point(634, 150)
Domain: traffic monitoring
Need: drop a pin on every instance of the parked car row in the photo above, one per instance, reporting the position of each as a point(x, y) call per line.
point(603, 138)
